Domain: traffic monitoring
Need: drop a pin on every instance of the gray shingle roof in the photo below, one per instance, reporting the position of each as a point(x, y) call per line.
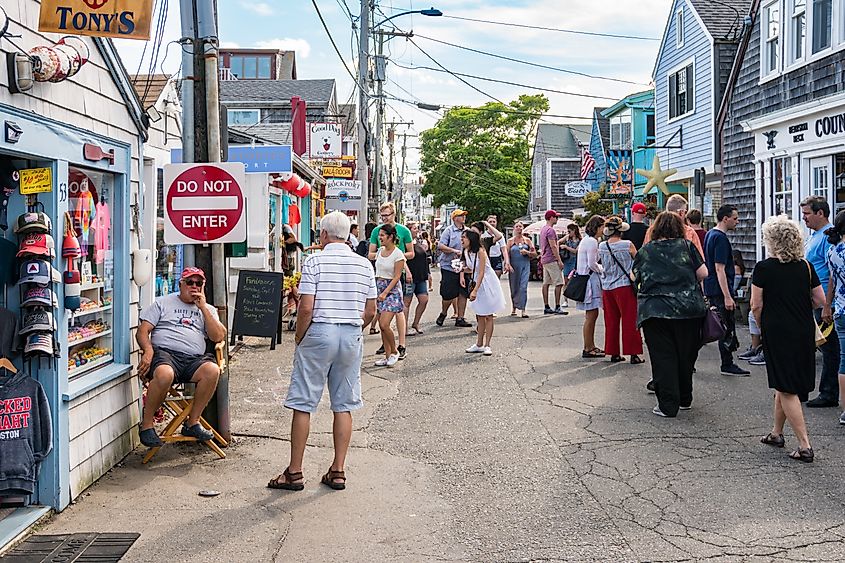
point(723, 19)
point(561, 141)
point(312, 91)
point(276, 133)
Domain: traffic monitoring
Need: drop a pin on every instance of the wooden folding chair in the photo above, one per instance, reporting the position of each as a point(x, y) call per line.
point(178, 403)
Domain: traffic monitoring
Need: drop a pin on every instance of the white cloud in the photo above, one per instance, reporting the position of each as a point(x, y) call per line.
point(301, 46)
point(260, 8)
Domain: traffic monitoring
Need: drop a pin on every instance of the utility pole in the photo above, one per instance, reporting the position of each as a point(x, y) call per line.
point(402, 169)
point(363, 110)
point(391, 134)
point(201, 142)
point(380, 77)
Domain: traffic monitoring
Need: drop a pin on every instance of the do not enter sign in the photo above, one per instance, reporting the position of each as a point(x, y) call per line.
point(204, 203)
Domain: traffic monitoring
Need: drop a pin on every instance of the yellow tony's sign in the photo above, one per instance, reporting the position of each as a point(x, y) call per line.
point(127, 19)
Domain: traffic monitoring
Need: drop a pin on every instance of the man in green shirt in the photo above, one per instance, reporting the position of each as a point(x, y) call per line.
point(387, 214)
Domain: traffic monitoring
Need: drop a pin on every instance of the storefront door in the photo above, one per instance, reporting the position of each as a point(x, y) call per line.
point(820, 177)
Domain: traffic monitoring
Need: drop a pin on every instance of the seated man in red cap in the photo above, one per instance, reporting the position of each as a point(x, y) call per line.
point(172, 336)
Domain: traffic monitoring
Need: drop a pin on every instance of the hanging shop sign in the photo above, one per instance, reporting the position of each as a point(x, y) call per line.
point(577, 189)
point(337, 172)
point(260, 158)
point(204, 203)
point(342, 195)
point(36, 180)
point(325, 140)
point(619, 177)
point(125, 19)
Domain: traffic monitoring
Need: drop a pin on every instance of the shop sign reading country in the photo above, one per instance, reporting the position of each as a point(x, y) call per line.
point(204, 203)
point(125, 19)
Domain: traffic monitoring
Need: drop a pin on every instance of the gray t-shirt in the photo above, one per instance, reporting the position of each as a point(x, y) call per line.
point(179, 326)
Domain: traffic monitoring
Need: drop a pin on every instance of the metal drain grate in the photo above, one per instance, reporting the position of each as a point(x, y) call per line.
point(69, 548)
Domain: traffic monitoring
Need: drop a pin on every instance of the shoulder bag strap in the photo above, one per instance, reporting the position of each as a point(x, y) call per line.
point(621, 267)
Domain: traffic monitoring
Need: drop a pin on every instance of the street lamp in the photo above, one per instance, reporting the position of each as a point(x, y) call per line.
point(428, 12)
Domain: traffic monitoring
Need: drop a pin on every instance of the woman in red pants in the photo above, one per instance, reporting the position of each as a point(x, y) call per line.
point(618, 295)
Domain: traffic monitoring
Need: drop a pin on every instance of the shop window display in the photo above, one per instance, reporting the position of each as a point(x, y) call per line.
point(90, 265)
point(168, 256)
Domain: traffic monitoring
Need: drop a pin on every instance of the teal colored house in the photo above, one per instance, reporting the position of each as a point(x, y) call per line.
point(631, 136)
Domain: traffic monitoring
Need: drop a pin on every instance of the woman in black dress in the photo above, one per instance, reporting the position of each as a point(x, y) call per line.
point(785, 289)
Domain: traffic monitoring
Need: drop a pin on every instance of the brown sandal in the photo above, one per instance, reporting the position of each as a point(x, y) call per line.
point(331, 475)
point(284, 481)
point(775, 440)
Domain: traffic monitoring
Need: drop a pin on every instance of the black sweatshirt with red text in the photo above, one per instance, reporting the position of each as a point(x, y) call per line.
point(26, 432)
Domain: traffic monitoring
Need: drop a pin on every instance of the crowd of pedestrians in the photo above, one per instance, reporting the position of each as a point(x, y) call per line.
point(663, 282)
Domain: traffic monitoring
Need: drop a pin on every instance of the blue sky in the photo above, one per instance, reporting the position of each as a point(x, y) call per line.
point(293, 24)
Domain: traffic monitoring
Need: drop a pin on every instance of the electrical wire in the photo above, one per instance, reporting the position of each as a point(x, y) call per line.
point(529, 63)
point(331, 39)
point(157, 41)
point(507, 82)
point(559, 30)
point(432, 59)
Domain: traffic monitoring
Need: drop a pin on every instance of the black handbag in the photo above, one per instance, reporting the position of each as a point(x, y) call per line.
point(713, 328)
point(576, 289)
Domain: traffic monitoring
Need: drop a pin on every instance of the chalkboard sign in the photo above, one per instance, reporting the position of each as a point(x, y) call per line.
point(258, 305)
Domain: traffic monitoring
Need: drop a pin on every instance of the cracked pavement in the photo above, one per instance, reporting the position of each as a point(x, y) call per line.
point(530, 455)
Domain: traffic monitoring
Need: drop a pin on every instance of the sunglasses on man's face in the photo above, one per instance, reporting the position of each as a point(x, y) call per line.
point(386, 216)
point(194, 283)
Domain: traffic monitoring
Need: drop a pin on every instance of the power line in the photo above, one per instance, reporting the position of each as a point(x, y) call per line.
point(331, 39)
point(507, 82)
point(538, 65)
point(575, 31)
point(541, 115)
point(432, 59)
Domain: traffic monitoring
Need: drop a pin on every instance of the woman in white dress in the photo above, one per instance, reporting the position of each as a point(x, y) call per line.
point(485, 296)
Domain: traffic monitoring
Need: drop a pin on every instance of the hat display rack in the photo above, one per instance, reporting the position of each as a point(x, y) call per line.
point(37, 283)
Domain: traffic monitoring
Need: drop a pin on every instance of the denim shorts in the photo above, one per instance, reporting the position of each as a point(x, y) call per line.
point(416, 288)
point(839, 323)
point(329, 353)
point(753, 329)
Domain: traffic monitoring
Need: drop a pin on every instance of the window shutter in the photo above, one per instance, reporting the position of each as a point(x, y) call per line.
point(673, 95)
point(690, 90)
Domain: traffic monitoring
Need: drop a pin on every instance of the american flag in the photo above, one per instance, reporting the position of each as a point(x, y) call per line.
point(587, 163)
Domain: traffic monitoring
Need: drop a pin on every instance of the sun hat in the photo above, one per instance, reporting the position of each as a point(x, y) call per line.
point(615, 225)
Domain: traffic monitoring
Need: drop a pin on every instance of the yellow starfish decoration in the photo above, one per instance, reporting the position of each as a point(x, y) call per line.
point(656, 176)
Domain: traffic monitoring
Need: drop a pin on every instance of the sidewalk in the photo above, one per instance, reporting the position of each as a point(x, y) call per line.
point(533, 454)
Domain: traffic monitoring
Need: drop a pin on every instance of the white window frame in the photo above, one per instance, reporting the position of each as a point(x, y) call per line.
point(257, 113)
point(787, 62)
point(680, 31)
point(766, 39)
point(793, 31)
point(788, 189)
point(811, 24)
point(619, 121)
point(674, 70)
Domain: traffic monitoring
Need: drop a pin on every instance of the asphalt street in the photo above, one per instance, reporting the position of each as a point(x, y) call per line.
point(533, 454)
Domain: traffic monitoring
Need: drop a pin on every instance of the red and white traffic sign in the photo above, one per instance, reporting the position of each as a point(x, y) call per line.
point(204, 203)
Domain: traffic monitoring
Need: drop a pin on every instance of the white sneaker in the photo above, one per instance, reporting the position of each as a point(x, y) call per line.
point(391, 360)
point(381, 363)
point(656, 410)
point(565, 304)
point(474, 349)
point(488, 351)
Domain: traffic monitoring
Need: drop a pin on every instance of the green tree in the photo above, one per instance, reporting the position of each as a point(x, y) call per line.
point(479, 158)
point(595, 204)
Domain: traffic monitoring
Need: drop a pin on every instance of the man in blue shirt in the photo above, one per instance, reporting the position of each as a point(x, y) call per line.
point(718, 286)
point(451, 290)
point(816, 213)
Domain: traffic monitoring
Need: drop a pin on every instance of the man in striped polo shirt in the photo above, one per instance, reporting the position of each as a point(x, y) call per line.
point(338, 297)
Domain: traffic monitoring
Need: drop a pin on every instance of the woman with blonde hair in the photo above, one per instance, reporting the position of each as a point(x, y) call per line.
point(784, 292)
